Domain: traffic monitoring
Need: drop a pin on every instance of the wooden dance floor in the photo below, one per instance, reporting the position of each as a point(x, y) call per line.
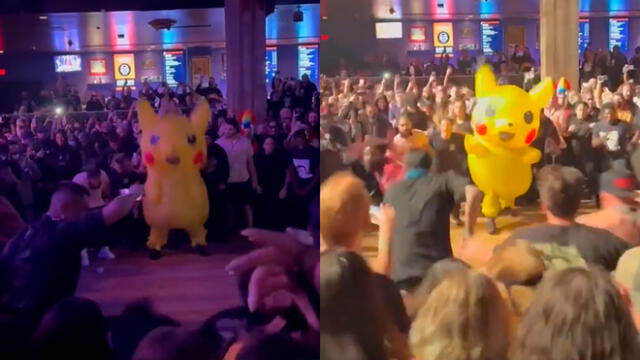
point(183, 285)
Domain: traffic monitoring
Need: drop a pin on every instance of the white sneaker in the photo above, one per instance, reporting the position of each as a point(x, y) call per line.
point(84, 257)
point(106, 254)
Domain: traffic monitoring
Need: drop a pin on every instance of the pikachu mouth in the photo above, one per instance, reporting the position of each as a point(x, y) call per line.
point(172, 160)
point(506, 136)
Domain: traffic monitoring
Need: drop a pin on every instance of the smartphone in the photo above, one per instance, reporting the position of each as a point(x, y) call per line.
point(374, 212)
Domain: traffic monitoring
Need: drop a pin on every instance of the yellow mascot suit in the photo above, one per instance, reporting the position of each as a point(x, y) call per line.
point(505, 122)
point(173, 149)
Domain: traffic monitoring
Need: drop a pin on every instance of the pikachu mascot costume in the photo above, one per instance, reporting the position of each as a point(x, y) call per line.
point(505, 122)
point(173, 150)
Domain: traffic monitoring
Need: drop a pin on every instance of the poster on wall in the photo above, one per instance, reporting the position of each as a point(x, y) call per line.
point(443, 37)
point(200, 67)
point(583, 35)
point(491, 32)
point(389, 30)
point(619, 33)
point(308, 61)
point(125, 69)
point(97, 67)
point(67, 63)
point(271, 65)
point(417, 34)
point(175, 69)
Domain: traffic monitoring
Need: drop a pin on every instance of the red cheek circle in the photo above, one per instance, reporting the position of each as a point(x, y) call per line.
point(199, 158)
point(531, 136)
point(481, 129)
point(149, 159)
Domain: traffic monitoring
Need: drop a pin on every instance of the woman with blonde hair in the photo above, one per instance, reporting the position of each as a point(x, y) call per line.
point(464, 318)
point(577, 313)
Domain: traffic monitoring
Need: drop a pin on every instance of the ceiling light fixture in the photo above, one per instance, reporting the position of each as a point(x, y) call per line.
point(43, 17)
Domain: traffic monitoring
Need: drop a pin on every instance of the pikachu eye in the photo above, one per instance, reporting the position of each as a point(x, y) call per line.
point(528, 117)
point(154, 139)
point(191, 139)
point(490, 111)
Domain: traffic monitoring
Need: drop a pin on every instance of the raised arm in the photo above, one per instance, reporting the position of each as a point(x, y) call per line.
point(447, 76)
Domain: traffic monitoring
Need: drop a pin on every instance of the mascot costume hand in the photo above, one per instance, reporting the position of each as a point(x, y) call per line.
point(505, 122)
point(173, 150)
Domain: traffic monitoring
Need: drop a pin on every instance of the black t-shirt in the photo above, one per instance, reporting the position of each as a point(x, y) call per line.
point(306, 162)
point(596, 246)
point(379, 126)
point(119, 181)
point(617, 138)
point(390, 297)
point(42, 263)
point(450, 153)
point(370, 181)
point(581, 136)
point(422, 209)
point(272, 170)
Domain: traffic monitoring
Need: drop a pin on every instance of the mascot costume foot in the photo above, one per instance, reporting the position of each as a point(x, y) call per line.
point(505, 122)
point(173, 150)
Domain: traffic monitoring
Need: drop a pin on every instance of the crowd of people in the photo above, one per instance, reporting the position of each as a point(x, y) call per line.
point(464, 63)
point(71, 179)
point(393, 154)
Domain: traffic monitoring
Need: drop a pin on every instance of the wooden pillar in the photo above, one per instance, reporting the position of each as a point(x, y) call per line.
point(246, 47)
point(559, 40)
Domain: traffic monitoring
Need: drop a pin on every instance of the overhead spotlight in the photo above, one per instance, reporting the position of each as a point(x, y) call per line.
point(43, 17)
point(298, 15)
point(392, 11)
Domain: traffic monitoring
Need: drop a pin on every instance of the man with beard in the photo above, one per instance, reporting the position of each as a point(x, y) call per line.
point(96, 182)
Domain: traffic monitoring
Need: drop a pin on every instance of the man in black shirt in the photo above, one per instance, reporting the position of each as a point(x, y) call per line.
point(449, 148)
point(560, 190)
point(611, 137)
point(422, 202)
point(212, 92)
point(305, 177)
point(94, 104)
point(580, 130)
point(41, 265)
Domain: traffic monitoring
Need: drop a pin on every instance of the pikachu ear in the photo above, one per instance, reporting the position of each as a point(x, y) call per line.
point(200, 116)
point(146, 115)
point(485, 81)
point(542, 93)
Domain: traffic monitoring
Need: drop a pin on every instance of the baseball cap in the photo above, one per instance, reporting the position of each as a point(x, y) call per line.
point(618, 181)
point(627, 273)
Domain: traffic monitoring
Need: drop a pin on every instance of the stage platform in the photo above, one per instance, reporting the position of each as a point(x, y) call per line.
point(182, 284)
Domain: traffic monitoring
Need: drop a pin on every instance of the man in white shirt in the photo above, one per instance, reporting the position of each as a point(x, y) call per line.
point(242, 172)
point(97, 182)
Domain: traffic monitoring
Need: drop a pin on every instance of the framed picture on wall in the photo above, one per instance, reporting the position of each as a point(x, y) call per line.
point(97, 67)
point(417, 34)
point(149, 64)
point(200, 67)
